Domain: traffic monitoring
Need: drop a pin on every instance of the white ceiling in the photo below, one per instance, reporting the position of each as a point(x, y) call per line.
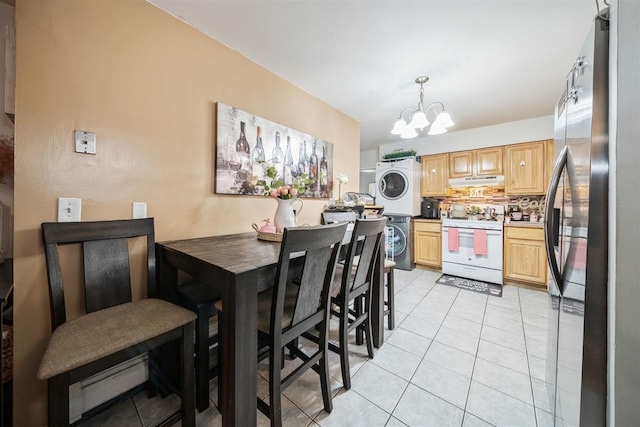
point(489, 61)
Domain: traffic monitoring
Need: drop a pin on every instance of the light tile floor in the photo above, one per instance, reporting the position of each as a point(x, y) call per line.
point(455, 358)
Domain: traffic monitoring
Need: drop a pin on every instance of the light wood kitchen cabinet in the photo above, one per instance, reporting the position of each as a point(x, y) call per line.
point(525, 168)
point(525, 258)
point(489, 161)
point(460, 164)
point(427, 243)
point(483, 162)
point(434, 175)
point(551, 160)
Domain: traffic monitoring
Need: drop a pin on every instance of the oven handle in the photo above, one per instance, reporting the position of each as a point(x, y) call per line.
point(470, 231)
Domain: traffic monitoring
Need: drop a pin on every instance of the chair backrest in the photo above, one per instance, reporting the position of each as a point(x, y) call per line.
point(105, 256)
point(363, 249)
point(320, 246)
point(332, 217)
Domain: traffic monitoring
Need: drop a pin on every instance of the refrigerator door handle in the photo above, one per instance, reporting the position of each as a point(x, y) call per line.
point(548, 215)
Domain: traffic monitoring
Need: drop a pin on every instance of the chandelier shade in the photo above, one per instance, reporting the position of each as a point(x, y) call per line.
point(417, 119)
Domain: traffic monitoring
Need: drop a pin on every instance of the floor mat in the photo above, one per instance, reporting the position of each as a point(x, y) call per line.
point(471, 285)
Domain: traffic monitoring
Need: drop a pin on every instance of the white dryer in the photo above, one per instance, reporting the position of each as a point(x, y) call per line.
point(398, 186)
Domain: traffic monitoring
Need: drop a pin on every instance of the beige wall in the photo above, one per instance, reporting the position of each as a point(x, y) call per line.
point(147, 84)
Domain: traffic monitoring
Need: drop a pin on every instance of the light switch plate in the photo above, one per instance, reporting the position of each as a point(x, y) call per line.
point(85, 142)
point(69, 209)
point(139, 210)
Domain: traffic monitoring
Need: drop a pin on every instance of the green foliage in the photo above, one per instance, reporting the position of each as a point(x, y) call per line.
point(398, 154)
point(273, 182)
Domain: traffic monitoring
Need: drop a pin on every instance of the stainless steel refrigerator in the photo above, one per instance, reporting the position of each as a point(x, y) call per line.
point(576, 233)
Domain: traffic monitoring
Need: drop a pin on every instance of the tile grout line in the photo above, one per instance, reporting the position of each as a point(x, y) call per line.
point(475, 358)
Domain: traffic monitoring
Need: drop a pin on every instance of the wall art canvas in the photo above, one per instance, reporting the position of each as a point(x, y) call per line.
point(247, 146)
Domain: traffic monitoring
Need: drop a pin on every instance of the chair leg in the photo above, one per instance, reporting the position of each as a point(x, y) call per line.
point(58, 405)
point(202, 360)
point(275, 386)
point(220, 367)
point(391, 319)
point(367, 325)
point(187, 377)
point(325, 382)
point(344, 347)
point(357, 306)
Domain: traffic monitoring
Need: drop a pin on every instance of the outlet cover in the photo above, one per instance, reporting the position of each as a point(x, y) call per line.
point(139, 210)
point(69, 209)
point(85, 142)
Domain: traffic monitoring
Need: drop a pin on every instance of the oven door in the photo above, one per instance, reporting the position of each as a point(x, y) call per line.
point(465, 254)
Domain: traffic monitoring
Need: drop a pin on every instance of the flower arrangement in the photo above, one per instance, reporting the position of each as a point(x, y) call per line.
point(342, 179)
point(474, 210)
point(276, 188)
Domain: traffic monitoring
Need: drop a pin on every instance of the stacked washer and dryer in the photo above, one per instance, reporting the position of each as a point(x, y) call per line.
point(398, 190)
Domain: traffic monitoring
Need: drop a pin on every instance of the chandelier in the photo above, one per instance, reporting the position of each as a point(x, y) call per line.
point(408, 128)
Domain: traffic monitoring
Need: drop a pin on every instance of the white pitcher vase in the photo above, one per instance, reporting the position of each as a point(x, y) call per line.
point(285, 216)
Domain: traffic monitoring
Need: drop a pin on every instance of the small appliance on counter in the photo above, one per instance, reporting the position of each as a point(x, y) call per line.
point(430, 209)
point(515, 213)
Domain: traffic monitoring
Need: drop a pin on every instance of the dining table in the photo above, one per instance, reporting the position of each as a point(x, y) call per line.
point(238, 267)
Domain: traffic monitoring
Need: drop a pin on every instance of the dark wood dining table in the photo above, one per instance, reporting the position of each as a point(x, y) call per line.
point(238, 266)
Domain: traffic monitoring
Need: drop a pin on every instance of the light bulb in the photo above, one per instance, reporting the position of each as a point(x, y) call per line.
point(409, 133)
point(419, 120)
point(399, 126)
point(445, 119)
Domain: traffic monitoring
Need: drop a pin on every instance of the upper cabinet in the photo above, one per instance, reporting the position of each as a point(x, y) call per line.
point(487, 161)
point(551, 160)
point(434, 175)
point(460, 164)
point(525, 168)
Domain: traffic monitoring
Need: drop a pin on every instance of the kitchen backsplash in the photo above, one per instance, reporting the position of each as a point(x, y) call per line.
point(496, 196)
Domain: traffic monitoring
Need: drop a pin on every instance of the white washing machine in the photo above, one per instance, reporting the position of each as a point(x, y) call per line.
point(398, 186)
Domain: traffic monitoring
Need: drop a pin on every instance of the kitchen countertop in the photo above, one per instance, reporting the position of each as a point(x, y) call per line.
point(417, 218)
point(524, 224)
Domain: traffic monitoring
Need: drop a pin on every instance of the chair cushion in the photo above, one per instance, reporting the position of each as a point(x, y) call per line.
point(264, 308)
point(98, 334)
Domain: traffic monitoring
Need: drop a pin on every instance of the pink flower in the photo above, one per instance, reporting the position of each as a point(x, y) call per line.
point(284, 191)
point(273, 193)
point(294, 192)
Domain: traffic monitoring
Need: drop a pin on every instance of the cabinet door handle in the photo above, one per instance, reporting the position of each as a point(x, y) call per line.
point(433, 171)
point(522, 163)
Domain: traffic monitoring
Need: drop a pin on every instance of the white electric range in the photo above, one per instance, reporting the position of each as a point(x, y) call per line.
point(460, 258)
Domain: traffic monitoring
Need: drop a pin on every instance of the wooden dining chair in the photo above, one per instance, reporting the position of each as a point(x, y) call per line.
point(113, 328)
point(298, 304)
point(353, 285)
point(389, 284)
point(201, 298)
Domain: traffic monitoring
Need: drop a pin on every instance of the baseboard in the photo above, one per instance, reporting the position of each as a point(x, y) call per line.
point(93, 391)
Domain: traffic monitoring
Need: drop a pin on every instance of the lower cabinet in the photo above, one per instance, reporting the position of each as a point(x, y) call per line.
point(427, 243)
point(525, 258)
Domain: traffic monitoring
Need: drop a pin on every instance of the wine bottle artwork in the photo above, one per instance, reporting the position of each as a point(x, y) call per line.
point(258, 156)
point(324, 172)
point(276, 153)
point(303, 159)
point(240, 162)
point(287, 171)
point(250, 148)
point(313, 169)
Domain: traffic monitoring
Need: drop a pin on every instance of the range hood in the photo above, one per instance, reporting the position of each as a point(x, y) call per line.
point(477, 181)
